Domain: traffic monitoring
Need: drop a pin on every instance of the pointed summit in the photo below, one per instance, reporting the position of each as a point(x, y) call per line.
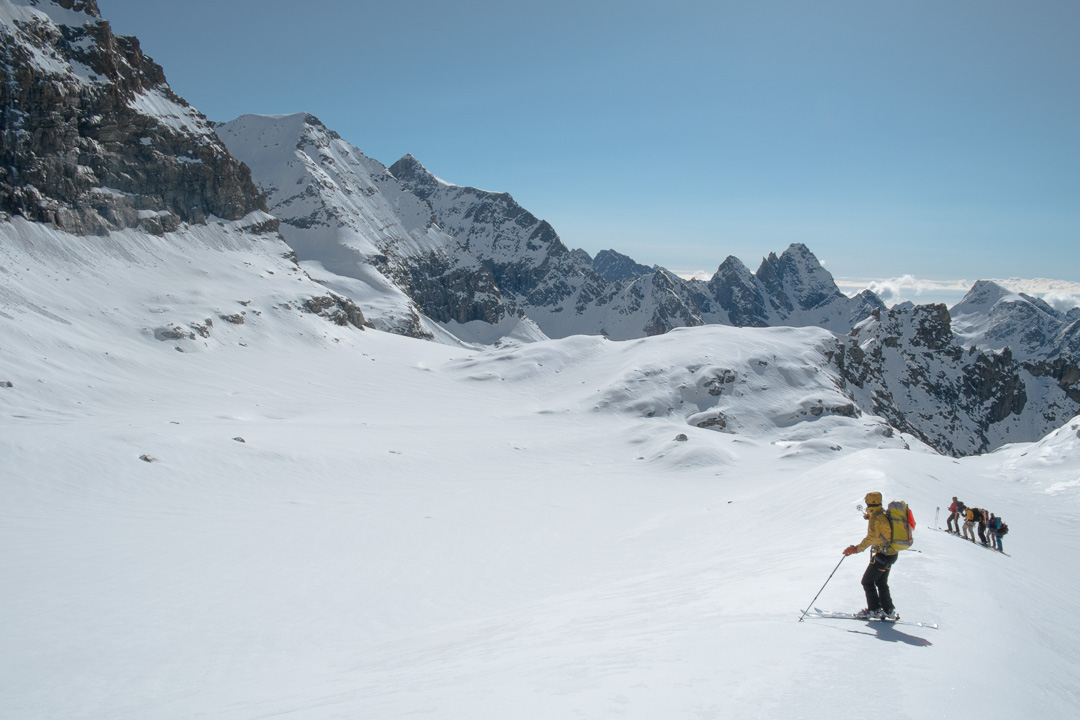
point(992, 316)
point(982, 296)
point(739, 294)
point(797, 276)
point(409, 171)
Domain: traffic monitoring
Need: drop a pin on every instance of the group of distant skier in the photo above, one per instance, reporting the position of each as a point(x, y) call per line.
point(989, 527)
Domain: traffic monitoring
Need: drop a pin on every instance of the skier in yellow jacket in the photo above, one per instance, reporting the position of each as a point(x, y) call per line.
point(875, 580)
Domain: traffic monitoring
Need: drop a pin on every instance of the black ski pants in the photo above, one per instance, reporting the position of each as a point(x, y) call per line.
point(952, 523)
point(875, 582)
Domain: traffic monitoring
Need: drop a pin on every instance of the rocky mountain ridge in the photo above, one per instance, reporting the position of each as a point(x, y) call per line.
point(565, 294)
point(92, 138)
point(433, 253)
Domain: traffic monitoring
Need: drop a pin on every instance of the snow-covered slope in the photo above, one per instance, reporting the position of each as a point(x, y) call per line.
point(355, 524)
point(196, 291)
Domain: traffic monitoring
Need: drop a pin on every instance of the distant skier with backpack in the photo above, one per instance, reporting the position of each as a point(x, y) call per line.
point(955, 509)
point(969, 524)
point(991, 532)
point(875, 581)
point(1002, 530)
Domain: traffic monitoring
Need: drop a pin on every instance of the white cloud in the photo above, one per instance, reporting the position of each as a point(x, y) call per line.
point(907, 287)
point(703, 275)
point(1062, 295)
point(1059, 294)
point(1062, 302)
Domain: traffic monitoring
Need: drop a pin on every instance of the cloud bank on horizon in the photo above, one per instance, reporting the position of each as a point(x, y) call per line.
point(1062, 295)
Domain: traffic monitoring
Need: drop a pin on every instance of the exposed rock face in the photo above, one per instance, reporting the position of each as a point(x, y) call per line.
point(92, 138)
point(528, 262)
point(339, 310)
point(738, 293)
point(907, 366)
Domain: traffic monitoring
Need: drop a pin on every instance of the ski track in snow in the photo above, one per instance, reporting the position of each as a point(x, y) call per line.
point(411, 529)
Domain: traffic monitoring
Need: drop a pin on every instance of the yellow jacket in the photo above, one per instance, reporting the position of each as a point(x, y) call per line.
point(878, 532)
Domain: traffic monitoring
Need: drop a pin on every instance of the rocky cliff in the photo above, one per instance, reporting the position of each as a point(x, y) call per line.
point(908, 366)
point(93, 139)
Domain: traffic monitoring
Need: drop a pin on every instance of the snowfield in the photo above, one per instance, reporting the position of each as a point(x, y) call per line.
point(350, 524)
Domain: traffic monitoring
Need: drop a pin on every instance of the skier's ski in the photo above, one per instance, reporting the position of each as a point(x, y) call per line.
point(976, 543)
point(830, 615)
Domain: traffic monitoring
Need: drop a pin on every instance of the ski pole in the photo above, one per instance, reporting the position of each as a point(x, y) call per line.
point(936, 517)
point(822, 588)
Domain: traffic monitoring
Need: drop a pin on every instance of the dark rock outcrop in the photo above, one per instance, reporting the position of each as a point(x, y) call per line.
point(93, 139)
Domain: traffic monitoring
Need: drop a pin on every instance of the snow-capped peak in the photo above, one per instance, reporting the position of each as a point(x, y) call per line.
point(994, 317)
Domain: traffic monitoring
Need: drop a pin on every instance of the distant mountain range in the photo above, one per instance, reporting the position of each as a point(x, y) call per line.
point(94, 141)
point(459, 255)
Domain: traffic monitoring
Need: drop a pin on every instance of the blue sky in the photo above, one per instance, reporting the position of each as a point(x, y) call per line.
point(938, 141)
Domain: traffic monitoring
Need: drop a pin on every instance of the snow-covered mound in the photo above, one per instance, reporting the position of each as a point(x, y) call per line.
point(1048, 465)
point(772, 385)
